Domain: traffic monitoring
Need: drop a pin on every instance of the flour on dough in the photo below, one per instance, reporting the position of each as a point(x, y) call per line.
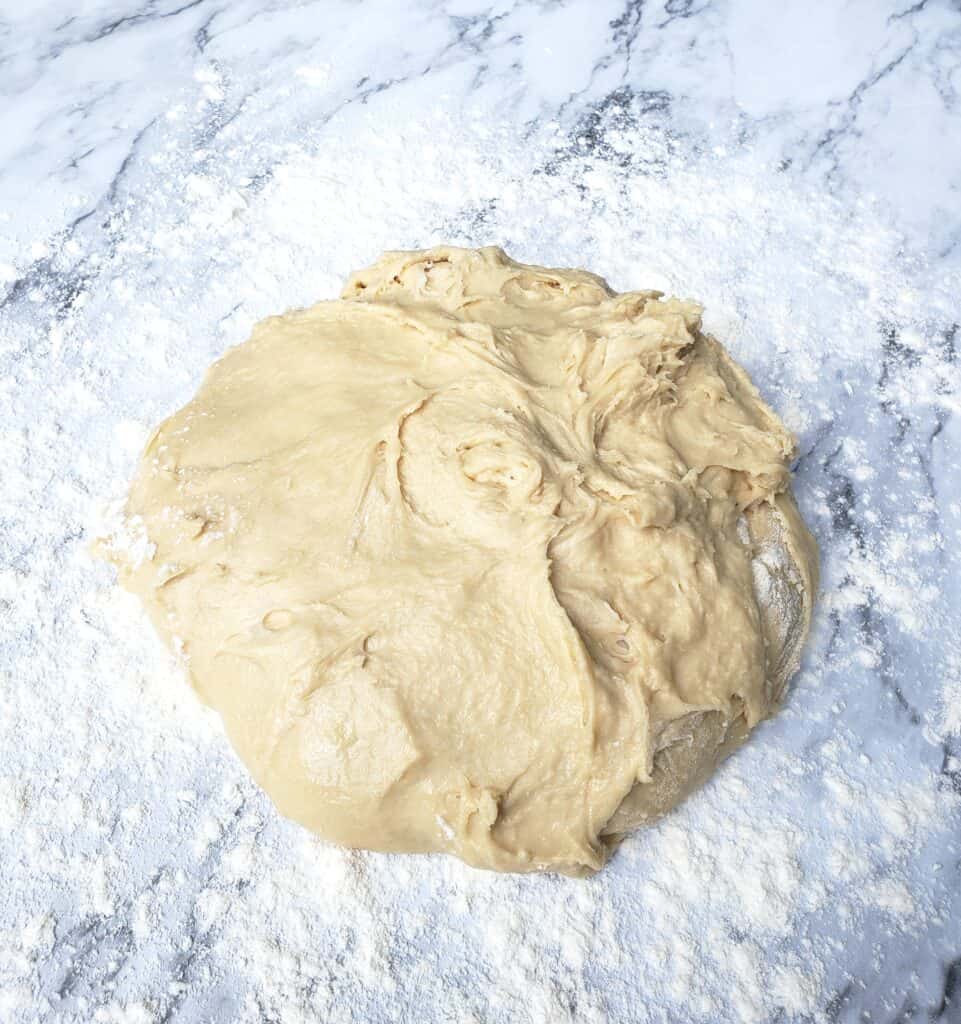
point(481, 558)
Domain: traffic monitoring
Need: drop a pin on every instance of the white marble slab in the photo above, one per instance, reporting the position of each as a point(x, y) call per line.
point(172, 171)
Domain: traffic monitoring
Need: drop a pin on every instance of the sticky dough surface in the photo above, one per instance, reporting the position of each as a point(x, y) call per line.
point(470, 560)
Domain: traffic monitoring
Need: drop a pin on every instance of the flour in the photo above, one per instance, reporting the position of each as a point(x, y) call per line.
point(149, 879)
point(948, 713)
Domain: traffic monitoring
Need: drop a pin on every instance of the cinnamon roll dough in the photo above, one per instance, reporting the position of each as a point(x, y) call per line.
point(482, 558)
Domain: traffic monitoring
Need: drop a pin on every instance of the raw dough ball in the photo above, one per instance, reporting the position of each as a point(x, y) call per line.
point(482, 558)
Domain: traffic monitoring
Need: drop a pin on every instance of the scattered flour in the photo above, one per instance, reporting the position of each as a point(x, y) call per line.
point(949, 705)
point(147, 879)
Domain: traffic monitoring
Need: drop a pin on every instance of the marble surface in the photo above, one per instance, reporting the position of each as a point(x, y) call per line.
point(171, 171)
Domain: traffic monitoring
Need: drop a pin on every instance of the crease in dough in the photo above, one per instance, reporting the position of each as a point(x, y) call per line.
point(482, 558)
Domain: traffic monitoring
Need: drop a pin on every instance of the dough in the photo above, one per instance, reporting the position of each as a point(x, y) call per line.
point(482, 558)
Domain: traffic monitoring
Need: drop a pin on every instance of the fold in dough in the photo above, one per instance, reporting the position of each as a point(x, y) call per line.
point(482, 558)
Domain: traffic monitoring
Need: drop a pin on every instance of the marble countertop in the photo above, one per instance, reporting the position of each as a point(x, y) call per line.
point(173, 170)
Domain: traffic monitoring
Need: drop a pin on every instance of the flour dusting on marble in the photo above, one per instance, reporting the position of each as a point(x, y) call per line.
point(148, 880)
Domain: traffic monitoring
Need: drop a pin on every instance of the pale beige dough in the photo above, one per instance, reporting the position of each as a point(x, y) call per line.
point(470, 560)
